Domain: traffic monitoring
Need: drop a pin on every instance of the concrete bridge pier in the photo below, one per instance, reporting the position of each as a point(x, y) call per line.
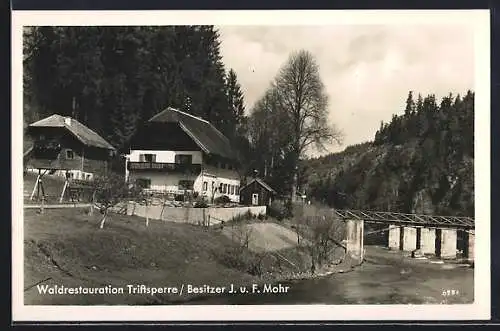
point(394, 237)
point(448, 243)
point(470, 248)
point(409, 239)
point(428, 241)
point(355, 234)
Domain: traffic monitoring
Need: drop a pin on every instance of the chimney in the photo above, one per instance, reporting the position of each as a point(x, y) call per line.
point(67, 120)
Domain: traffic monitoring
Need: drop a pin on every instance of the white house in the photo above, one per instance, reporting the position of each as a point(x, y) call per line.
point(175, 152)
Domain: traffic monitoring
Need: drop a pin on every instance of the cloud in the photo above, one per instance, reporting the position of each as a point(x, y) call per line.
point(367, 70)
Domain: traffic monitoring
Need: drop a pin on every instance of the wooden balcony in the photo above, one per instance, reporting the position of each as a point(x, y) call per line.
point(164, 167)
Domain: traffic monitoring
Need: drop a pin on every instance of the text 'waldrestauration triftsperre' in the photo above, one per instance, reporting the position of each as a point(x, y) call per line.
point(183, 289)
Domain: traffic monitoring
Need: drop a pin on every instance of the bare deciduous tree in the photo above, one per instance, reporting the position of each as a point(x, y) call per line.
point(302, 98)
point(109, 191)
point(324, 235)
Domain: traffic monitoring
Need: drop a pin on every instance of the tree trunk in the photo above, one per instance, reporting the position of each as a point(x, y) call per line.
point(294, 186)
point(103, 219)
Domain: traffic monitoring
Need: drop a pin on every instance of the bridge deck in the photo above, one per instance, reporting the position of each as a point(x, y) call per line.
point(409, 219)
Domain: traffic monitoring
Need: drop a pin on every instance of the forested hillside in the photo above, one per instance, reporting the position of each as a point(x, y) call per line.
point(422, 161)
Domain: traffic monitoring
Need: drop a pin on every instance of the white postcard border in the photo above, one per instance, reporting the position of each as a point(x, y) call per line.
point(480, 309)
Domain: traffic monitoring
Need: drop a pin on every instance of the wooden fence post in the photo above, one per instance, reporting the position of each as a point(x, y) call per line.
point(147, 215)
point(42, 206)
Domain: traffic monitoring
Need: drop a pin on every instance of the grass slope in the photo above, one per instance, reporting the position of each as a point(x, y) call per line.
point(68, 247)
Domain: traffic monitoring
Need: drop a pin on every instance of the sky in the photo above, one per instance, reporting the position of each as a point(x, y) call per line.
point(367, 70)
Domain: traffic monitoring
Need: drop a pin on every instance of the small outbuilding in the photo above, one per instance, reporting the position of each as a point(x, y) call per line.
point(257, 193)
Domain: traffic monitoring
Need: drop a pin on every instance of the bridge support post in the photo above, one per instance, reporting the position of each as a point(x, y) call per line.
point(394, 233)
point(448, 244)
point(428, 241)
point(470, 249)
point(409, 239)
point(355, 246)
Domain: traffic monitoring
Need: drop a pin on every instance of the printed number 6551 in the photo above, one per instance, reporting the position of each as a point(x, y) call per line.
point(447, 293)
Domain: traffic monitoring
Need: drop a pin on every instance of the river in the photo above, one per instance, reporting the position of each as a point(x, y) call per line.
point(386, 277)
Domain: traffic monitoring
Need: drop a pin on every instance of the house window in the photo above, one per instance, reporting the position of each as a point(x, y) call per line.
point(237, 190)
point(225, 189)
point(183, 159)
point(69, 154)
point(232, 189)
point(186, 184)
point(147, 158)
point(223, 165)
point(220, 188)
point(143, 182)
point(205, 186)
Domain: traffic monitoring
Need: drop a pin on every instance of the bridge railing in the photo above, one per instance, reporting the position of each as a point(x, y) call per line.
point(404, 218)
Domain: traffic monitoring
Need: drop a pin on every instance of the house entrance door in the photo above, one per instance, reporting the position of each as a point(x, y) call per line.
point(255, 199)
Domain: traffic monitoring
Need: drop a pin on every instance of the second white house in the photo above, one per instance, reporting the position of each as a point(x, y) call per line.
point(175, 152)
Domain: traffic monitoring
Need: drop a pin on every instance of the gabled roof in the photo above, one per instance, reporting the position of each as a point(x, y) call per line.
point(262, 183)
point(203, 133)
point(77, 129)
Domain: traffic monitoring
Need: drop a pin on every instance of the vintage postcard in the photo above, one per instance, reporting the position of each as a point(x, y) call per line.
point(251, 165)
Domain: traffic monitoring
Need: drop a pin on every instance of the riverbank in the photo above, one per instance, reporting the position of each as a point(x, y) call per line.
point(385, 277)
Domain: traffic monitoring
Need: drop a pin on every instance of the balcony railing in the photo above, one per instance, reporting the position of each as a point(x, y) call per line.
point(164, 167)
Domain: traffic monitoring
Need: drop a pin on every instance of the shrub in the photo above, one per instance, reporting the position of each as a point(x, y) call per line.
point(222, 200)
point(289, 209)
point(234, 258)
point(248, 215)
point(200, 204)
point(277, 210)
point(242, 260)
point(262, 216)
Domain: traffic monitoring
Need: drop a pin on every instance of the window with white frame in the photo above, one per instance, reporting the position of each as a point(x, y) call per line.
point(147, 158)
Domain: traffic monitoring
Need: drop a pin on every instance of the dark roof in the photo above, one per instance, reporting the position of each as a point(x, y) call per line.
point(77, 129)
point(262, 183)
point(203, 133)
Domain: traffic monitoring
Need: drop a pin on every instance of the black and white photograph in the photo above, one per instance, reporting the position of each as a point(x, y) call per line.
point(311, 165)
